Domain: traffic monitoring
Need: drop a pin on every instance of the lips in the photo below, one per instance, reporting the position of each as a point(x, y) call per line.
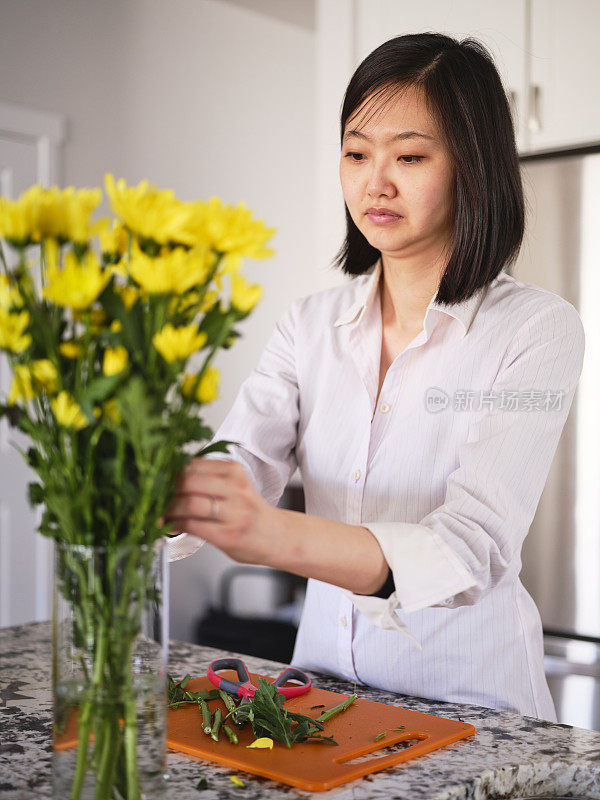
point(382, 212)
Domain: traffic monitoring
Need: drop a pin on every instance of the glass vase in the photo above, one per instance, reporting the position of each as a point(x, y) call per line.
point(110, 641)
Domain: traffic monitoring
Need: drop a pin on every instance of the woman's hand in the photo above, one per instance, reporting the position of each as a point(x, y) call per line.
point(250, 530)
point(245, 526)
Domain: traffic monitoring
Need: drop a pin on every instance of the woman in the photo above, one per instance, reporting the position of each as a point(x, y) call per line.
point(423, 402)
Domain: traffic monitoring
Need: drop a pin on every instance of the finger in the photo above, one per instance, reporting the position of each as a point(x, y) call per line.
point(211, 532)
point(194, 507)
point(217, 466)
point(218, 486)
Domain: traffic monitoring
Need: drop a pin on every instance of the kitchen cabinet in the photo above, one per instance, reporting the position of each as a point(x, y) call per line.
point(501, 27)
point(509, 755)
point(545, 50)
point(564, 64)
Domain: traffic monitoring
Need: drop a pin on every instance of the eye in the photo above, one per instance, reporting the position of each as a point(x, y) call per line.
point(414, 159)
point(417, 159)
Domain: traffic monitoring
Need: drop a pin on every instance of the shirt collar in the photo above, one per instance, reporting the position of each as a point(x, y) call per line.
point(366, 291)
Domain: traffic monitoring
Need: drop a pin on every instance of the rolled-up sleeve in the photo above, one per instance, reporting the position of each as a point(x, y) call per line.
point(461, 550)
point(263, 421)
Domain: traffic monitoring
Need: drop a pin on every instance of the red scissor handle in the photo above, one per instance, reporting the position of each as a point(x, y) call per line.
point(242, 687)
point(245, 688)
point(292, 674)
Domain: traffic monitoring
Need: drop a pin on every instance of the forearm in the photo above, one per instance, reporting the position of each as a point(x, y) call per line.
point(348, 556)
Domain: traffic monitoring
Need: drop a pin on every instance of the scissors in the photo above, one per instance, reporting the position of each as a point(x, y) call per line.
point(244, 687)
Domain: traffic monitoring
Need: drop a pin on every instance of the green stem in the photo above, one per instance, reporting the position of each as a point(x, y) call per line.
point(107, 744)
point(85, 716)
point(336, 709)
point(133, 788)
point(3, 259)
point(119, 468)
point(206, 716)
point(43, 262)
point(210, 278)
point(83, 736)
point(224, 333)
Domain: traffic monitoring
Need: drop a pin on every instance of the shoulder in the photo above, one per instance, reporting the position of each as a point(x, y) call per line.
point(327, 305)
point(526, 318)
point(518, 307)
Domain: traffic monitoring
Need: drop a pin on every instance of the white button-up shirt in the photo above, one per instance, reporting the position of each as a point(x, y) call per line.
point(446, 472)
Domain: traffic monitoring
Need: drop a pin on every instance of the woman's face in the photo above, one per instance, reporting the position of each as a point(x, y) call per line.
point(411, 176)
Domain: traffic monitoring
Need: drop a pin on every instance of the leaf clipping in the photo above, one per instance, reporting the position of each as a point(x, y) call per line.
point(270, 719)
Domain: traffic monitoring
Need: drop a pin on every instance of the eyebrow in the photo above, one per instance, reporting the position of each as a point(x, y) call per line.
point(396, 137)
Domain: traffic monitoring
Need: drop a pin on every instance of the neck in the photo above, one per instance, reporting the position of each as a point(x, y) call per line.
point(406, 293)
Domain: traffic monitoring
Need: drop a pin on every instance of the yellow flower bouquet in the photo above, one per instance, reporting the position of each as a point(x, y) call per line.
point(99, 342)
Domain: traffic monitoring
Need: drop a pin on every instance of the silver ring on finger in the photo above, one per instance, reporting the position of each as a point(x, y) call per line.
point(214, 511)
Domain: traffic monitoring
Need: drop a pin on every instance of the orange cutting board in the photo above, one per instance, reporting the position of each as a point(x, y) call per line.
point(316, 766)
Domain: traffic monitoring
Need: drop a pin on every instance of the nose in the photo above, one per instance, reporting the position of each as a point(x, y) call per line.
point(379, 181)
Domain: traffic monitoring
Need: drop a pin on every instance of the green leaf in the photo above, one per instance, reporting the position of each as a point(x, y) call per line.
point(36, 494)
point(12, 413)
point(220, 447)
point(97, 391)
point(213, 322)
point(196, 430)
point(142, 424)
point(33, 458)
point(178, 696)
point(230, 339)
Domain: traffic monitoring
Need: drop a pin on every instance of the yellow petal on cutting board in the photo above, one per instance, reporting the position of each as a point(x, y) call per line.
point(238, 781)
point(264, 743)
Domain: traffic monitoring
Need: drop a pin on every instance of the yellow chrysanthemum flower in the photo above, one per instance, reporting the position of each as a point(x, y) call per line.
point(190, 303)
point(210, 299)
point(76, 285)
point(10, 297)
point(68, 412)
point(208, 388)
point(12, 331)
point(151, 213)
point(79, 206)
point(178, 343)
point(175, 271)
point(113, 239)
point(95, 316)
point(231, 230)
point(70, 349)
point(115, 360)
point(244, 296)
point(116, 326)
point(120, 268)
point(64, 214)
point(21, 388)
point(128, 294)
point(46, 374)
point(18, 218)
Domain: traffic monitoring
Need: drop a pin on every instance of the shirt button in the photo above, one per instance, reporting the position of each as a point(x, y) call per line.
point(384, 408)
point(343, 621)
point(357, 475)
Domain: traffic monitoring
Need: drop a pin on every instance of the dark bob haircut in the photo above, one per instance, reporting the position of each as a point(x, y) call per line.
point(465, 97)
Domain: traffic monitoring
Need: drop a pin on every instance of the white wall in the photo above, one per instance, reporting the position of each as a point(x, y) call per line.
point(202, 96)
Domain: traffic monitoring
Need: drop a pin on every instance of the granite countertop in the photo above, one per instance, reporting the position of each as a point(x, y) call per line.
point(509, 756)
